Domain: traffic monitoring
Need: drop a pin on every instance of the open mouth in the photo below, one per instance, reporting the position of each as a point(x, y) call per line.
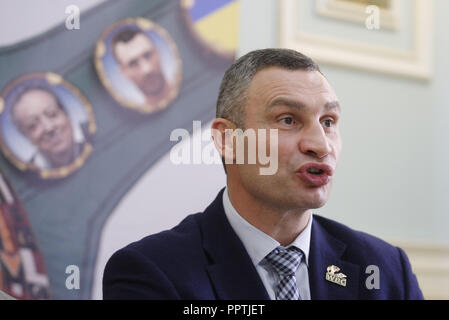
point(315, 174)
point(315, 171)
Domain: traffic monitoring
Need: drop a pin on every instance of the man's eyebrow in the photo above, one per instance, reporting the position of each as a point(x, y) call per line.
point(329, 106)
point(333, 106)
point(285, 102)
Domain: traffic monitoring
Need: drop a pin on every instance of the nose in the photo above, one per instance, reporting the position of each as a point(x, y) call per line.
point(146, 66)
point(313, 142)
point(47, 125)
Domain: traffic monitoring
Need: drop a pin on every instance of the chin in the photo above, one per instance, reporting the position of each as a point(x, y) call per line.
point(315, 199)
point(318, 204)
point(62, 149)
point(303, 201)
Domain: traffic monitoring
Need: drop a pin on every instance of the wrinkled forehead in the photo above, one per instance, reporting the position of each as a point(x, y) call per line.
point(126, 51)
point(303, 85)
point(33, 103)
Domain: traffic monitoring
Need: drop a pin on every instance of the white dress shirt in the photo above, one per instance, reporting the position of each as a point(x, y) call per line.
point(258, 244)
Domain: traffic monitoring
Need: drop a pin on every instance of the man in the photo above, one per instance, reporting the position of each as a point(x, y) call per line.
point(140, 62)
point(258, 239)
point(39, 115)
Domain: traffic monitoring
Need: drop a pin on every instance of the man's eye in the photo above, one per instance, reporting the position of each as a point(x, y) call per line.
point(52, 114)
point(288, 120)
point(328, 123)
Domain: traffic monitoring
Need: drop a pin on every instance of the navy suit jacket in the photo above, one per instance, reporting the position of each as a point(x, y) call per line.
point(203, 258)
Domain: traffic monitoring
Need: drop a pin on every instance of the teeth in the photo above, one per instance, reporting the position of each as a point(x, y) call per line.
point(314, 170)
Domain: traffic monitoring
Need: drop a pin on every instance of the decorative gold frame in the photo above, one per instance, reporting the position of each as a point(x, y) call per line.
point(100, 51)
point(356, 12)
point(52, 79)
point(413, 63)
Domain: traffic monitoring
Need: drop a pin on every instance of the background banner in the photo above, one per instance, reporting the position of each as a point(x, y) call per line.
point(84, 114)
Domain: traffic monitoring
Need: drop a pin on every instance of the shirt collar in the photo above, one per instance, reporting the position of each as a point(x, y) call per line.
point(257, 243)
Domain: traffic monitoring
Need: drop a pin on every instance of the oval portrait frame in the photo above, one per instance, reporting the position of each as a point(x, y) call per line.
point(49, 81)
point(146, 26)
point(207, 47)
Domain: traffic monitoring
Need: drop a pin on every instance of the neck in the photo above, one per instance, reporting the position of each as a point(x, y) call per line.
point(282, 225)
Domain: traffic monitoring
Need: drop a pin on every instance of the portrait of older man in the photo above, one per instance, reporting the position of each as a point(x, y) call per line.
point(40, 116)
point(140, 62)
point(260, 237)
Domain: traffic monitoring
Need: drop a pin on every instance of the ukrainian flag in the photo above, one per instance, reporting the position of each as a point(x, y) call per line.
point(216, 22)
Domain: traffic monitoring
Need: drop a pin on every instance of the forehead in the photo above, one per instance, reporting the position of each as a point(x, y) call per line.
point(298, 85)
point(34, 102)
point(134, 47)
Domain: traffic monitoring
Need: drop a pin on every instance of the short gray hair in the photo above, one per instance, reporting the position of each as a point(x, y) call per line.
point(233, 89)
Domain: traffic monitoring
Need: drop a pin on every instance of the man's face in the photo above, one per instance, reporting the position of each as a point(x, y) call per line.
point(305, 110)
point(41, 120)
point(140, 62)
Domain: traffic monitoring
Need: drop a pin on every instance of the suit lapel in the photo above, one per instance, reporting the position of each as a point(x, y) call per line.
point(326, 250)
point(231, 270)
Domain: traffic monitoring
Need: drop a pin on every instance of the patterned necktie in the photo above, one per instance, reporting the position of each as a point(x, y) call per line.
point(285, 261)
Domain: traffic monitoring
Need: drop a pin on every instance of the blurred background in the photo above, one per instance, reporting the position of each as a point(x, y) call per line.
point(386, 60)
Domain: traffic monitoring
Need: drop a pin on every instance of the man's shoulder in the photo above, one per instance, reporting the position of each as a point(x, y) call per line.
point(158, 266)
point(358, 242)
point(183, 244)
point(371, 253)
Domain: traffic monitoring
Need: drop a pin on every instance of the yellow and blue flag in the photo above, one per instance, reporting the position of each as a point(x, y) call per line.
point(215, 22)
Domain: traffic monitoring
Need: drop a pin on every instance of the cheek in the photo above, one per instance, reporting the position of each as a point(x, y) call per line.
point(65, 125)
point(140, 75)
point(155, 62)
point(132, 74)
point(337, 146)
point(276, 146)
point(287, 152)
point(36, 135)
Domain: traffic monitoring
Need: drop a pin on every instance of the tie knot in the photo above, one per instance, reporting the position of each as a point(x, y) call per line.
point(285, 261)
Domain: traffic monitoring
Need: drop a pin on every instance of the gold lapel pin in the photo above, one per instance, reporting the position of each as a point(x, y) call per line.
point(332, 275)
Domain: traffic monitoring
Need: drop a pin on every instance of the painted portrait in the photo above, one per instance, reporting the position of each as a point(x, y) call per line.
point(138, 63)
point(46, 125)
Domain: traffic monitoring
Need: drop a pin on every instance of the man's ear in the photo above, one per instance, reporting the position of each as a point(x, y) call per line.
point(221, 130)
